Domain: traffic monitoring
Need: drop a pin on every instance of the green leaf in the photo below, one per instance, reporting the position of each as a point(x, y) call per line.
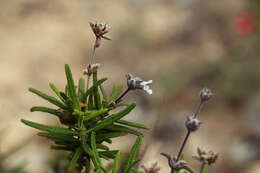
point(81, 89)
point(116, 162)
point(133, 154)
point(74, 159)
point(96, 92)
point(96, 159)
point(57, 92)
point(133, 124)
point(90, 90)
point(51, 129)
point(63, 147)
point(87, 148)
point(117, 89)
point(90, 102)
point(103, 93)
point(72, 88)
point(46, 110)
point(134, 170)
point(109, 154)
point(204, 169)
point(87, 165)
point(119, 128)
point(105, 136)
point(51, 99)
point(94, 114)
point(131, 167)
point(102, 147)
point(59, 137)
point(108, 121)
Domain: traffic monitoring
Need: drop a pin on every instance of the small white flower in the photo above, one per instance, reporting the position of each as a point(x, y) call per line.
point(146, 86)
point(137, 83)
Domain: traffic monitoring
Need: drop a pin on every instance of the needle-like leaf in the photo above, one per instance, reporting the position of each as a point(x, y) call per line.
point(133, 124)
point(133, 153)
point(57, 92)
point(47, 110)
point(116, 162)
point(97, 99)
point(111, 119)
point(72, 88)
point(51, 129)
point(51, 99)
point(119, 128)
point(96, 158)
point(74, 159)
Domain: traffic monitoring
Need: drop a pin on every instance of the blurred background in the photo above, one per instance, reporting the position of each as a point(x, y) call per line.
point(182, 45)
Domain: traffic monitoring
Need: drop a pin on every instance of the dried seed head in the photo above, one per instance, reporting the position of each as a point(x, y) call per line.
point(153, 169)
point(100, 29)
point(174, 163)
point(208, 158)
point(205, 94)
point(192, 124)
point(91, 69)
point(137, 83)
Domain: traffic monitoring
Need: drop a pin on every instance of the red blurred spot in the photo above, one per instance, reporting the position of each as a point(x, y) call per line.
point(244, 24)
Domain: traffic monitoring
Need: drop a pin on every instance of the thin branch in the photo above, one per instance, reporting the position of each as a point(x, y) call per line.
point(122, 95)
point(183, 144)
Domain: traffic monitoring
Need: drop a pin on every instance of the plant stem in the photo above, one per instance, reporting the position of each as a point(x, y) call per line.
point(122, 95)
point(183, 145)
point(188, 169)
point(93, 54)
point(198, 109)
point(188, 132)
point(91, 61)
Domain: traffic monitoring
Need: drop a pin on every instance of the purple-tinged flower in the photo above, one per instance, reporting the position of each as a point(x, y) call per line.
point(137, 83)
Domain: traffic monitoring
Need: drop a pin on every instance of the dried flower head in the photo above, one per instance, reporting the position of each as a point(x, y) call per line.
point(91, 69)
point(208, 158)
point(153, 169)
point(192, 124)
point(176, 164)
point(100, 29)
point(205, 94)
point(137, 83)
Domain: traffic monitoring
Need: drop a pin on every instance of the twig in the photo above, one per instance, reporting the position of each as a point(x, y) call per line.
point(122, 95)
point(183, 144)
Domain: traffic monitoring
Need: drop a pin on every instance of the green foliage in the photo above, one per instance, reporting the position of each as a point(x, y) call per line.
point(204, 169)
point(87, 124)
point(132, 157)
